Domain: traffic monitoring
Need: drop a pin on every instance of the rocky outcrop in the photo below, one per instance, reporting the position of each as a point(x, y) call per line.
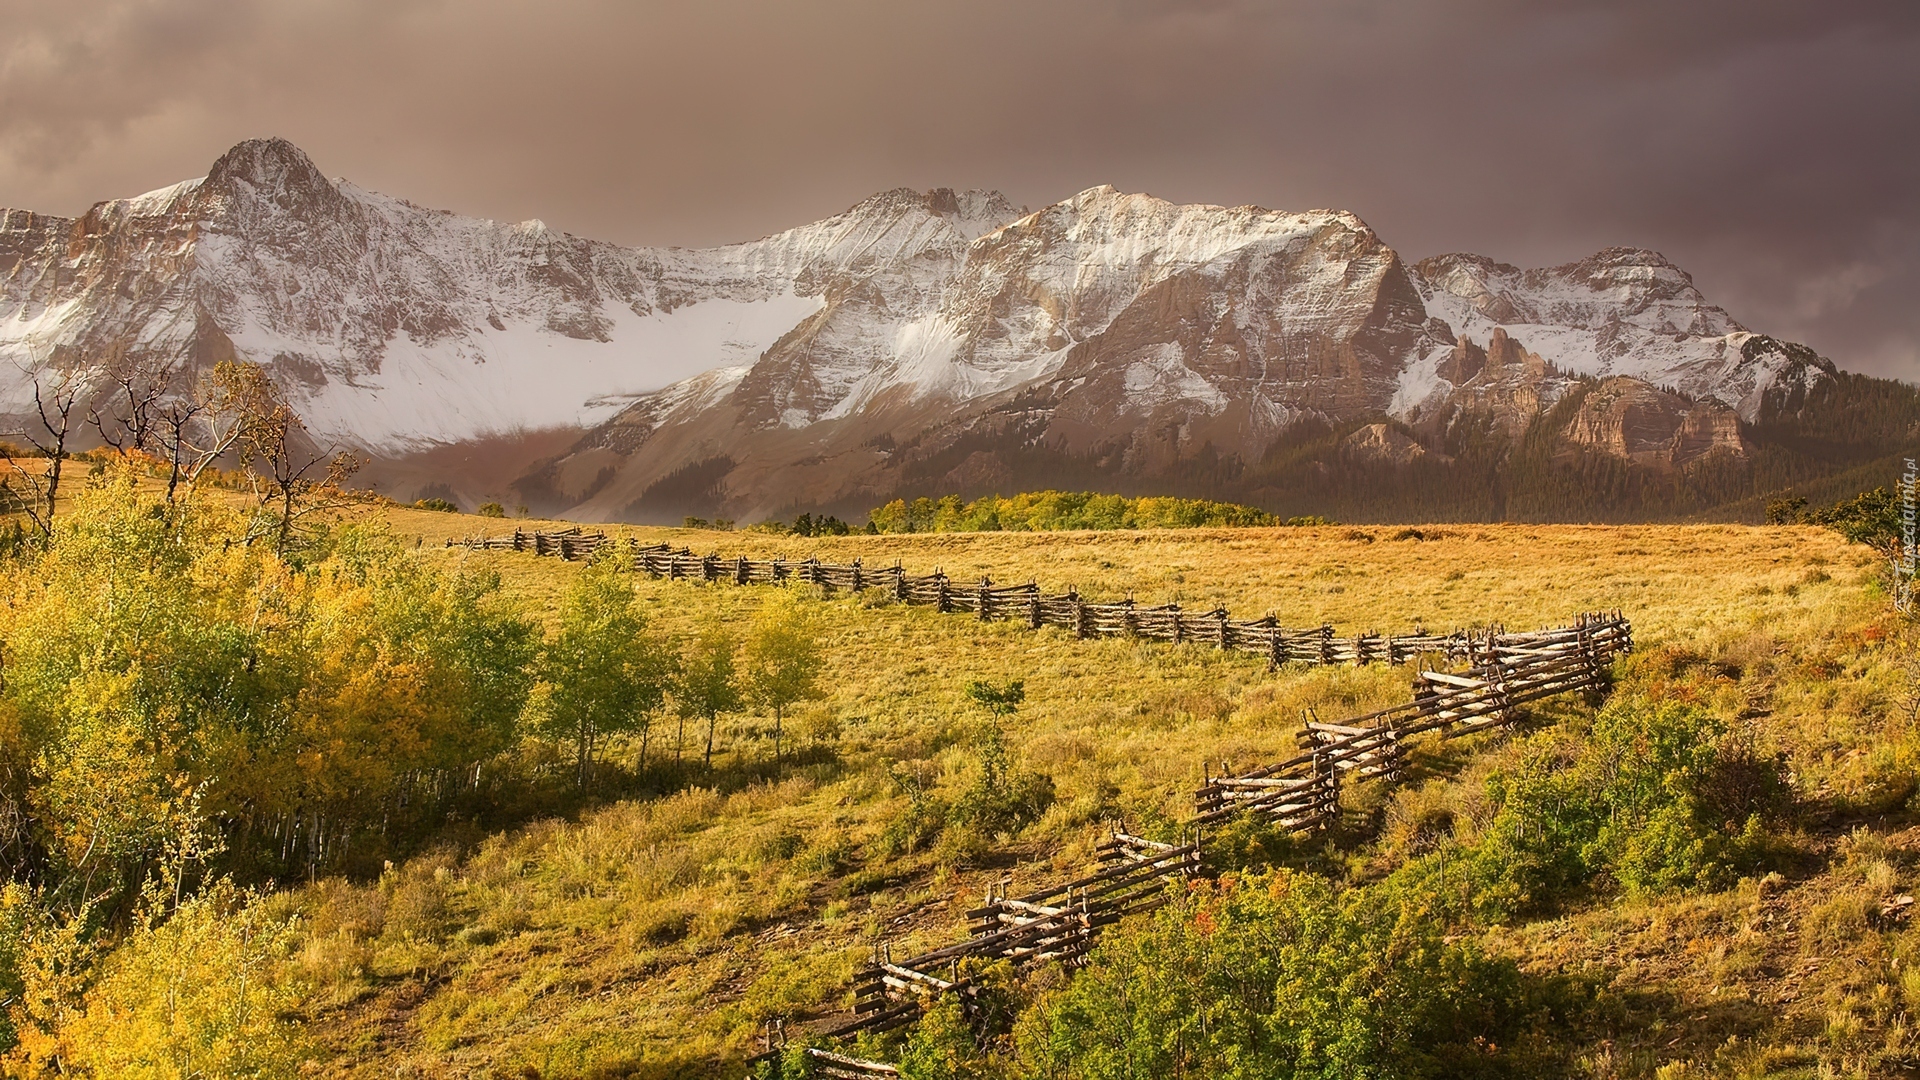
point(1627, 418)
point(1386, 444)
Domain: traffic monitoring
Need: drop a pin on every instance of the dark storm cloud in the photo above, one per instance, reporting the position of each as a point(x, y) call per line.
point(1773, 149)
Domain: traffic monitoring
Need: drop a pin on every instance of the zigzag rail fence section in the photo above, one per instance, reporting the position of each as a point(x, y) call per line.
point(1300, 794)
point(987, 601)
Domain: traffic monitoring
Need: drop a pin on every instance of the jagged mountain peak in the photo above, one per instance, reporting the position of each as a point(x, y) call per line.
point(1109, 199)
point(969, 213)
point(272, 169)
point(1639, 272)
point(1621, 310)
point(1115, 229)
point(1636, 277)
point(1467, 264)
point(1609, 258)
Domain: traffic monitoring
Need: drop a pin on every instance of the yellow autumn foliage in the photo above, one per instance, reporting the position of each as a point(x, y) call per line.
point(202, 995)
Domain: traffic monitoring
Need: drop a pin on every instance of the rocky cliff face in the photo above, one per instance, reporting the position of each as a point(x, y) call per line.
point(926, 337)
point(1629, 419)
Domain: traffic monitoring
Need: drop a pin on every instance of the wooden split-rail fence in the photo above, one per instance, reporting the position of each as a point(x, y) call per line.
point(987, 601)
point(1058, 923)
point(1506, 671)
point(1300, 794)
point(823, 1062)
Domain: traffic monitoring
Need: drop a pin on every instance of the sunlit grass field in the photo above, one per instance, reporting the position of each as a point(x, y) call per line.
point(654, 935)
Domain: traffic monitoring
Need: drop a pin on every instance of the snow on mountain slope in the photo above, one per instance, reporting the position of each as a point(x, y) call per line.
point(1034, 291)
point(1113, 323)
point(391, 327)
point(1621, 311)
point(1112, 326)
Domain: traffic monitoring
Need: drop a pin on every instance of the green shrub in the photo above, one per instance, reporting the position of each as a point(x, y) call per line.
point(1684, 802)
point(492, 510)
point(790, 1064)
point(942, 1047)
point(1250, 842)
point(1279, 975)
point(441, 505)
point(919, 825)
point(1003, 798)
point(1658, 797)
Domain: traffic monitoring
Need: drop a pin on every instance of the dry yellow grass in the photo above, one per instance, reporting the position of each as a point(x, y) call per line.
point(651, 937)
point(1677, 581)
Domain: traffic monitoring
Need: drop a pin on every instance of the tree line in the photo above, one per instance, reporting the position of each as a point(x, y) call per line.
point(1043, 511)
point(207, 682)
point(181, 699)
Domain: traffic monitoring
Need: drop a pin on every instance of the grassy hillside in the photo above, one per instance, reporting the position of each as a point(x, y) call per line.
point(649, 926)
point(651, 936)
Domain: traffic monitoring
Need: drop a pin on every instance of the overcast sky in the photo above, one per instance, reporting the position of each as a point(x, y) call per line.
point(1771, 148)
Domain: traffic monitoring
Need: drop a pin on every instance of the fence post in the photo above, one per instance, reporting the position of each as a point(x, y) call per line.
point(857, 586)
point(1274, 643)
point(1220, 629)
point(1079, 614)
point(1326, 643)
point(1331, 794)
point(1033, 605)
point(899, 583)
point(1127, 617)
point(741, 570)
point(940, 584)
point(1177, 628)
point(986, 598)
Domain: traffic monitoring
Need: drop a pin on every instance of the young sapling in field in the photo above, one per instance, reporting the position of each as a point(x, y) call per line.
point(707, 683)
point(605, 674)
point(782, 660)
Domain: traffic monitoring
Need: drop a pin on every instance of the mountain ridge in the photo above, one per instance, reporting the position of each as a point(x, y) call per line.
point(844, 359)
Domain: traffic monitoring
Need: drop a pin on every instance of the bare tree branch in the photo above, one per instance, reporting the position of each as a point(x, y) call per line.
point(39, 492)
point(291, 477)
point(134, 410)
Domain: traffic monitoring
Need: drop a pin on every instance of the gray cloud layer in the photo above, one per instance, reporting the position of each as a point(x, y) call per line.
point(1772, 148)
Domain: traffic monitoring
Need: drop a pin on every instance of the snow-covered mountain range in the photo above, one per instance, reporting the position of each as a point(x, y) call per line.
point(825, 364)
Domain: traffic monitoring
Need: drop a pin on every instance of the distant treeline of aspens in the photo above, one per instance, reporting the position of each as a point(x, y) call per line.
point(1048, 511)
point(1039, 511)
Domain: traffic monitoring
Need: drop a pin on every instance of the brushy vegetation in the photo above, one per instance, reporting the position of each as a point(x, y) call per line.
point(1653, 797)
point(186, 707)
point(1050, 511)
point(1701, 877)
point(1282, 974)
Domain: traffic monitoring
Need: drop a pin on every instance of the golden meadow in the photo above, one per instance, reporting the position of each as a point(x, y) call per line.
point(649, 922)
